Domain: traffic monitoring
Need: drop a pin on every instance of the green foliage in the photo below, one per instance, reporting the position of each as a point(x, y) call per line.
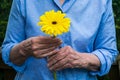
point(116, 8)
point(4, 12)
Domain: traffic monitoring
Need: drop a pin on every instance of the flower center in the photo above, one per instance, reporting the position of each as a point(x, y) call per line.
point(54, 22)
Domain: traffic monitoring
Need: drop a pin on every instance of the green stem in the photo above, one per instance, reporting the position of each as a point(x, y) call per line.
point(54, 74)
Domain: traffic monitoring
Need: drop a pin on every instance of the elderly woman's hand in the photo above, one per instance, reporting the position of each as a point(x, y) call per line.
point(66, 57)
point(40, 46)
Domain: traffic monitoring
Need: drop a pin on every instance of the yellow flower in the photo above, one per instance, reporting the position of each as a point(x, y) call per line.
point(54, 23)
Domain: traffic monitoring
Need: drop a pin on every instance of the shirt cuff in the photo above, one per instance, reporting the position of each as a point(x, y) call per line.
point(5, 56)
point(106, 61)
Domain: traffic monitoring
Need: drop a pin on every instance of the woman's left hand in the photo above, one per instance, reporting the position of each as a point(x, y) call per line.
point(66, 57)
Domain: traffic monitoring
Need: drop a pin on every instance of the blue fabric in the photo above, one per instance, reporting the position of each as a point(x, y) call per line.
point(92, 31)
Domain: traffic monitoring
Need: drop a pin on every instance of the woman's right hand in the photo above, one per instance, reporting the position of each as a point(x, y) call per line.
point(39, 47)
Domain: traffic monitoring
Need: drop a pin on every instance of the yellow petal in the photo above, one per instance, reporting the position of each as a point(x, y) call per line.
point(62, 23)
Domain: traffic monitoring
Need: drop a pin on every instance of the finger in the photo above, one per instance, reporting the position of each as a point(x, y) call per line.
point(45, 40)
point(41, 53)
point(50, 58)
point(70, 64)
point(37, 46)
point(67, 62)
point(55, 58)
point(58, 59)
point(26, 43)
point(60, 53)
point(50, 53)
point(58, 64)
point(62, 50)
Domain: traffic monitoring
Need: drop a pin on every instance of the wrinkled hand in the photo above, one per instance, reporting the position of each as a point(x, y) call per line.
point(64, 58)
point(40, 46)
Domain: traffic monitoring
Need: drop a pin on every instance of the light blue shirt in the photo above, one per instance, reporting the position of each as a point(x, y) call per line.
point(92, 31)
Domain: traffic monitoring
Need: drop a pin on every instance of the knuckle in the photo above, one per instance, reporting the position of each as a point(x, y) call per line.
point(41, 37)
point(32, 40)
point(68, 47)
point(34, 47)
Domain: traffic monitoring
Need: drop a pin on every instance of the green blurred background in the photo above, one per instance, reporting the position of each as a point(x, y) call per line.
point(4, 13)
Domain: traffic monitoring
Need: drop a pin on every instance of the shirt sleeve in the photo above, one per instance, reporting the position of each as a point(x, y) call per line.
point(105, 43)
point(15, 33)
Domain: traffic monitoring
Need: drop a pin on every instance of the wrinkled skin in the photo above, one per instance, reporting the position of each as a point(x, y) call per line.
point(66, 57)
point(38, 47)
point(58, 59)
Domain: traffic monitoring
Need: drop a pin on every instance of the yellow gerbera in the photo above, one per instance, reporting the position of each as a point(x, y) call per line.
point(54, 23)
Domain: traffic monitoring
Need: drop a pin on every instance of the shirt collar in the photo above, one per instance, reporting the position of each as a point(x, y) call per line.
point(66, 5)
